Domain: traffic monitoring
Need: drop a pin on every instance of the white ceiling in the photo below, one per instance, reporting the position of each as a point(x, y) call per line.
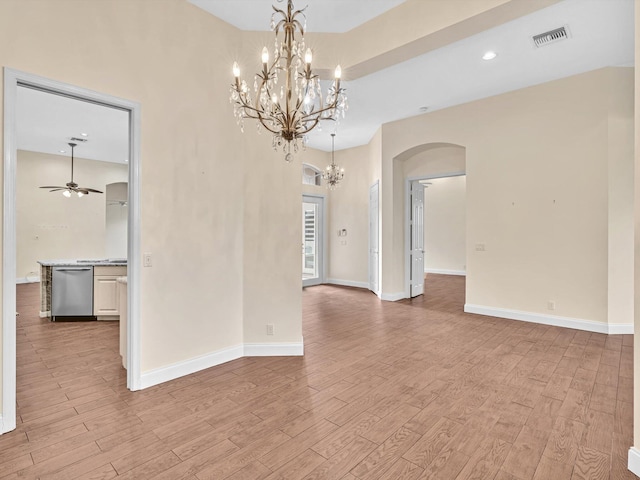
point(45, 123)
point(602, 34)
point(322, 15)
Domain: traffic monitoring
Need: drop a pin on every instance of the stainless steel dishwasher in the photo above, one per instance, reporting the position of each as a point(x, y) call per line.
point(72, 291)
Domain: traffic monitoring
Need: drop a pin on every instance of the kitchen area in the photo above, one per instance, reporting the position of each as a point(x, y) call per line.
point(86, 290)
point(81, 289)
point(72, 208)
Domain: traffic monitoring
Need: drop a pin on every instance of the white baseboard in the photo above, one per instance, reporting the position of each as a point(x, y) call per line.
point(274, 349)
point(6, 427)
point(634, 461)
point(557, 321)
point(180, 369)
point(621, 329)
point(27, 280)
point(347, 283)
point(392, 297)
point(45, 314)
point(187, 367)
point(445, 272)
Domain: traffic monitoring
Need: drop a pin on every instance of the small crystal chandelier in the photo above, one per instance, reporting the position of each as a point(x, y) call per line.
point(333, 173)
point(293, 109)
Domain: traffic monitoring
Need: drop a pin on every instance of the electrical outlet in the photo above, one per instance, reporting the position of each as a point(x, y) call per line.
point(146, 259)
point(270, 329)
point(551, 305)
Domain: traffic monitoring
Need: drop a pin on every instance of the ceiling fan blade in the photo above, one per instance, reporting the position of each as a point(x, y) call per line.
point(91, 190)
point(57, 189)
point(51, 186)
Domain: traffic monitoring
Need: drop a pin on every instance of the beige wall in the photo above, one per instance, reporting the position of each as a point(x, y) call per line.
point(349, 209)
point(445, 225)
point(116, 220)
point(620, 202)
point(536, 161)
point(51, 226)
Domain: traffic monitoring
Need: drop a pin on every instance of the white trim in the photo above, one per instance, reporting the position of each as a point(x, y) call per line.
point(295, 349)
point(134, 250)
point(187, 367)
point(557, 321)
point(347, 283)
point(46, 314)
point(324, 240)
point(621, 329)
point(634, 461)
point(13, 78)
point(9, 255)
point(21, 280)
point(393, 297)
point(440, 271)
point(378, 267)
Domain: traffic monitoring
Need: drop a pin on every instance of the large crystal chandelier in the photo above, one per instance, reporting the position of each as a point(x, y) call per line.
point(333, 174)
point(286, 97)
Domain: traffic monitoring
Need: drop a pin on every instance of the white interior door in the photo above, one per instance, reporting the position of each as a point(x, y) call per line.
point(312, 241)
point(374, 232)
point(417, 239)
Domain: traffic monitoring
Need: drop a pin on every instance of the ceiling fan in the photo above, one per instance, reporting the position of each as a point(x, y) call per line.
point(72, 187)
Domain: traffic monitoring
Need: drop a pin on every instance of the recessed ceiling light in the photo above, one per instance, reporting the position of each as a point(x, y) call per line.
point(424, 109)
point(489, 55)
point(126, 160)
point(62, 151)
point(84, 134)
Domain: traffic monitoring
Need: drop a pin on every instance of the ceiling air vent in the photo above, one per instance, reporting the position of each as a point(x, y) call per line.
point(552, 36)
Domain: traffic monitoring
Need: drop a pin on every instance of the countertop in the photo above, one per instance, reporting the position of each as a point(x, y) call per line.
point(102, 262)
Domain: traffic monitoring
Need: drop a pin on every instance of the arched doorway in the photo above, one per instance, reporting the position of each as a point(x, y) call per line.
point(427, 166)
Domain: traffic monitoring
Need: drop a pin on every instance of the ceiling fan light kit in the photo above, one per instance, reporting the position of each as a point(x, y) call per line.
point(287, 97)
point(72, 187)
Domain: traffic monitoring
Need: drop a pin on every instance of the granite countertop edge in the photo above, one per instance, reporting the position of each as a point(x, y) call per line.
point(77, 263)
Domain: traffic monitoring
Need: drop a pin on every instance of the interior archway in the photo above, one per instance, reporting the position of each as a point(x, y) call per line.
point(426, 161)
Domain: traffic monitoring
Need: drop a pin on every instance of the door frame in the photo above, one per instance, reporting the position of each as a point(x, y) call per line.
point(375, 185)
point(416, 187)
point(323, 236)
point(407, 221)
point(12, 79)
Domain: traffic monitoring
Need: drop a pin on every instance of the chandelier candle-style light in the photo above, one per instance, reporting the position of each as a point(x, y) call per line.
point(287, 97)
point(333, 173)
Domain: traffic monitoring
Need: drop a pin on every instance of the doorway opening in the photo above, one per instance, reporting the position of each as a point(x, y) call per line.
point(13, 80)
point(436, 228)
point(414, 169)
point(313, 240)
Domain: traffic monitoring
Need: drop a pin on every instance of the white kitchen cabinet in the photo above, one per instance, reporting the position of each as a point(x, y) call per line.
point(106, 298)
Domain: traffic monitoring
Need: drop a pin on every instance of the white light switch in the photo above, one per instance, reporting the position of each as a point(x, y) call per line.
point(146, 259)
point(480, 247)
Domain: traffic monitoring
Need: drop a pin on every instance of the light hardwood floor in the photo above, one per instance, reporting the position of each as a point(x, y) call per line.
point(406, 390)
